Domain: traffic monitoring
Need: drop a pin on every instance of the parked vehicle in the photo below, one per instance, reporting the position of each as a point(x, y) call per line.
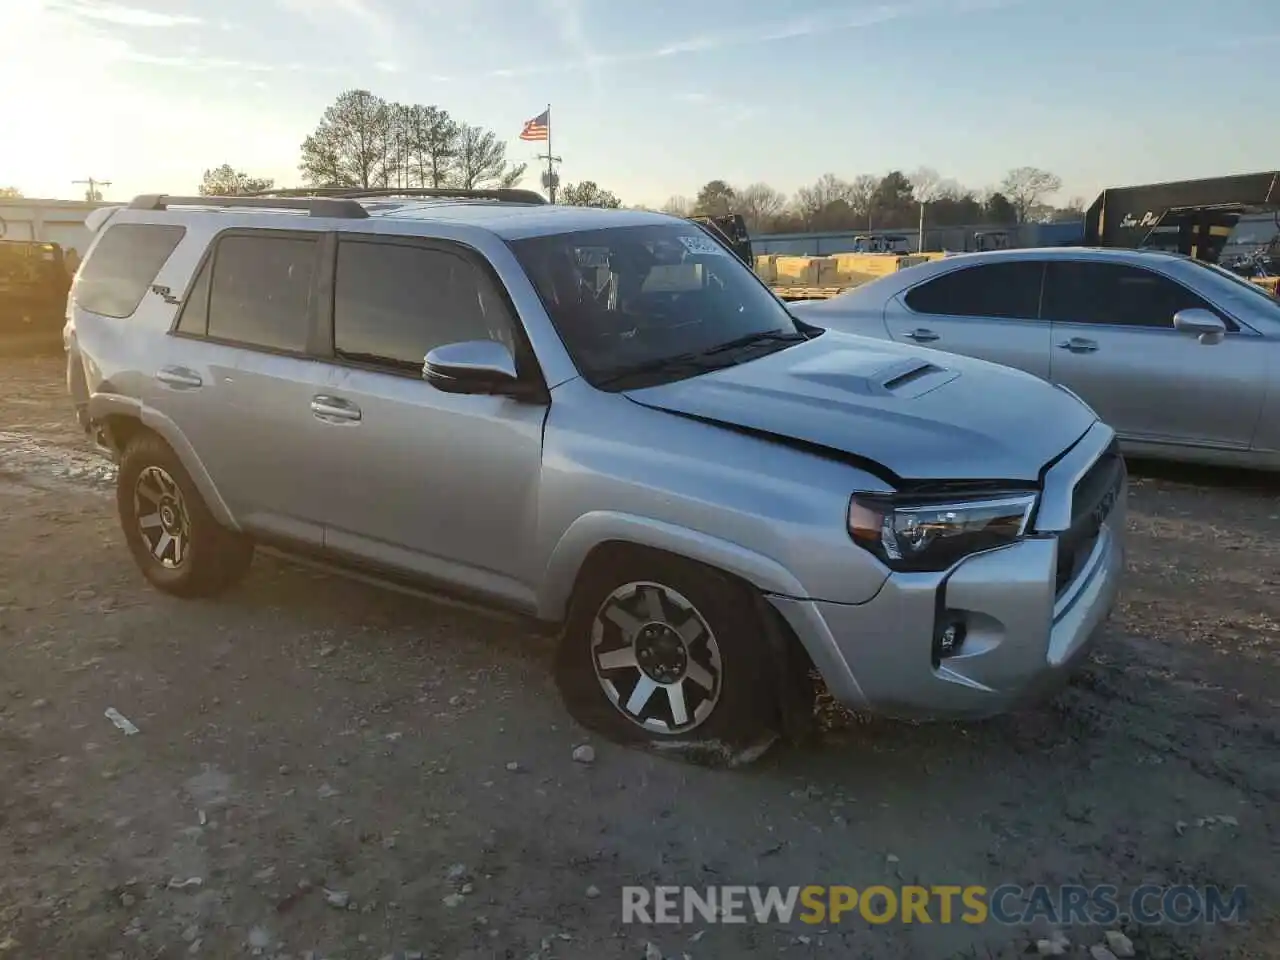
point(602, 421)
point(33, 289)
point(731, 230)
point(1181, 357)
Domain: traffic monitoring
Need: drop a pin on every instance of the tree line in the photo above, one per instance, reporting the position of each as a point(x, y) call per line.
point(364, 141)
point(891, 201)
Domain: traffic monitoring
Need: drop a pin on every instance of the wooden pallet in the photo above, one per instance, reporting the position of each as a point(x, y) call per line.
point(808, 293)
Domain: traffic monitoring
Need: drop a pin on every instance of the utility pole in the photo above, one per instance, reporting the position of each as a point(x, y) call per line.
point(92, 194)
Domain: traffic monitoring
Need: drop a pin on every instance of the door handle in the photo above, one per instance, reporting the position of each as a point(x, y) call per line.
point(1078, 345)
point(921, 335)
point(180, 378)
point(334, 409)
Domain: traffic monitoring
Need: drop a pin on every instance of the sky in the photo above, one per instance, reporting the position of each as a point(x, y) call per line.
point(650, 99)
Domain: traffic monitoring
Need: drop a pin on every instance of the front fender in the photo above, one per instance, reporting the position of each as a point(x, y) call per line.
point(604, 526)
point(103, 405)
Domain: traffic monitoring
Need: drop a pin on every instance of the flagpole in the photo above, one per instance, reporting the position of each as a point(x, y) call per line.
point(551, 176)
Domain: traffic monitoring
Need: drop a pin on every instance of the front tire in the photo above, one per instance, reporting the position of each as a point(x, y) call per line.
point(175, 540)
point(664, 651)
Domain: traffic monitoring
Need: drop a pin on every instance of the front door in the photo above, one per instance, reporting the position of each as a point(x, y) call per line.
point(407, 476)
point(987, 311)
point(1115, 345)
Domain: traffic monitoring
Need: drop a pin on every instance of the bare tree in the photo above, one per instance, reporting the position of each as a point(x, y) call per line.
point(926, 184)
point(1027, 187)
point(432, 145)
point(353, 145)
point(760, 205)
point(817, 198)
point(481, 160)
point(227, 181)
point(587, 194)
point(678, 206)
point(861, 191)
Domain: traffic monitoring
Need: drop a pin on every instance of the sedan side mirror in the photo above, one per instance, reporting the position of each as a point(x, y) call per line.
point(474, 366)
point(1205, 325)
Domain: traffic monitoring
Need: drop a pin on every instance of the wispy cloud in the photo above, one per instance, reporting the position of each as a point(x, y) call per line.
point(569, 20)
point(367, 15)
point(857, 18)
point(124, 16)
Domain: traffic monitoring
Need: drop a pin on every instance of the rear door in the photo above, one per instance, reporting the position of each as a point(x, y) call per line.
point(988, 310)
point(1115, 345)
point(237, 379)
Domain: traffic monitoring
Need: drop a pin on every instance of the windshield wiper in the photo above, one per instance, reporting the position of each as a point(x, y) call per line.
point(766, 336)
point(679, 363)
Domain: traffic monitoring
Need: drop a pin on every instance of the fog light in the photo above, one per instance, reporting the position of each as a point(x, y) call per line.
point(951, 639)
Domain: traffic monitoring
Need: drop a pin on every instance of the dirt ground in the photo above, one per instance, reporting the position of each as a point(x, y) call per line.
point(326, 770)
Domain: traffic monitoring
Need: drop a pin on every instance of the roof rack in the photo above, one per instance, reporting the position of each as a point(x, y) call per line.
point(336, 207)
point(500, 194)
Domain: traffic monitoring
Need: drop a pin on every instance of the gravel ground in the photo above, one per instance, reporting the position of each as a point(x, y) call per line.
point(322, 766)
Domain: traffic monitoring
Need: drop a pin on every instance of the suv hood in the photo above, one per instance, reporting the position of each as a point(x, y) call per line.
point(919, 414)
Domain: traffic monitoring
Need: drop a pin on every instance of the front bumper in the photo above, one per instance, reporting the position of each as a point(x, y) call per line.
point(1025, 628)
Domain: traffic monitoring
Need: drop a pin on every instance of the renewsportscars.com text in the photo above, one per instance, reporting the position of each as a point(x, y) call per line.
point(943, 903)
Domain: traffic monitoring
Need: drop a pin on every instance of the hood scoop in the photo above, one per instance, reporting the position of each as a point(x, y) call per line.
point(875, 374)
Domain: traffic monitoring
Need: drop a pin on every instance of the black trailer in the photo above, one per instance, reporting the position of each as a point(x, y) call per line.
point(1192, 217)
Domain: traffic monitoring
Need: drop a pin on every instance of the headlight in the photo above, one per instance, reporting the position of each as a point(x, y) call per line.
point(918, 535)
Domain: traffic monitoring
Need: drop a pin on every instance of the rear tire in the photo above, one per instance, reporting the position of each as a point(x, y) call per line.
point(175, 540)
point(662, 651)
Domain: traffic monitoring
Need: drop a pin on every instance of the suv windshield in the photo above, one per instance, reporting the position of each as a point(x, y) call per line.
point(652, 302)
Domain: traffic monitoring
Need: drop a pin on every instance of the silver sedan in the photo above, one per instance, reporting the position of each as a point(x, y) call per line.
point(1181, 357)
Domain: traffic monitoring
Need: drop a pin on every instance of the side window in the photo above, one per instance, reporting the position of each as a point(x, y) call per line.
point(1081, 291)
point(261, 290)
point(1005, 290)
point(395, 302)
point(123, 266)
point(194, 318)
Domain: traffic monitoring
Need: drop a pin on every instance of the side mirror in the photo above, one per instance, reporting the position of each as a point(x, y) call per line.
point(474, 366)
point(1205, 325)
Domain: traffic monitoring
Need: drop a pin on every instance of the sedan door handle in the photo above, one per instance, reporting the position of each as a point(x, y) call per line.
point(334, 409)
point(1078, 345)
point(921, 335)
point(180, 378)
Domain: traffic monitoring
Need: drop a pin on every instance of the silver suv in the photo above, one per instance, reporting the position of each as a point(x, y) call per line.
point(602, 420)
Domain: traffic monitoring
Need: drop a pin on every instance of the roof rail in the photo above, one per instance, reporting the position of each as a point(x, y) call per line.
point(500, 194)
point(335, 207)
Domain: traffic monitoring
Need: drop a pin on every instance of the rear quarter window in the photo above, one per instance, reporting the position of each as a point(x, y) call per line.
point(123, 265)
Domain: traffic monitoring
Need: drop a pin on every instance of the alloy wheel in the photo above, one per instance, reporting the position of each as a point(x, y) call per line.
point(163, 520)
point(656, 658)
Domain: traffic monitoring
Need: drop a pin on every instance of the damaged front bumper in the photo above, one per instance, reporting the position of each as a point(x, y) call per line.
point(1026, 613)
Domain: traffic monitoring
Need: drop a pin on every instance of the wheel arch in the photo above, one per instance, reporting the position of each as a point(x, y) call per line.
point(608, 530)
point(594, 537)
point(123, 417)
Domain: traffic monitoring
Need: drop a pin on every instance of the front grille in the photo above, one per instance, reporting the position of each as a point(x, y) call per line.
point(1091, 503)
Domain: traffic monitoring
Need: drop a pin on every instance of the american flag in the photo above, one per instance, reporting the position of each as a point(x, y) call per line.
point(539, 128)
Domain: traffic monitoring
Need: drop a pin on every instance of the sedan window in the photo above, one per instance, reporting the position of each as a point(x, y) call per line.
point(1009, 290)
point(1083, 291)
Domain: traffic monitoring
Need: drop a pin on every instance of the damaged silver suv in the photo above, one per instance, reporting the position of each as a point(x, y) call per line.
point(603, 421)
